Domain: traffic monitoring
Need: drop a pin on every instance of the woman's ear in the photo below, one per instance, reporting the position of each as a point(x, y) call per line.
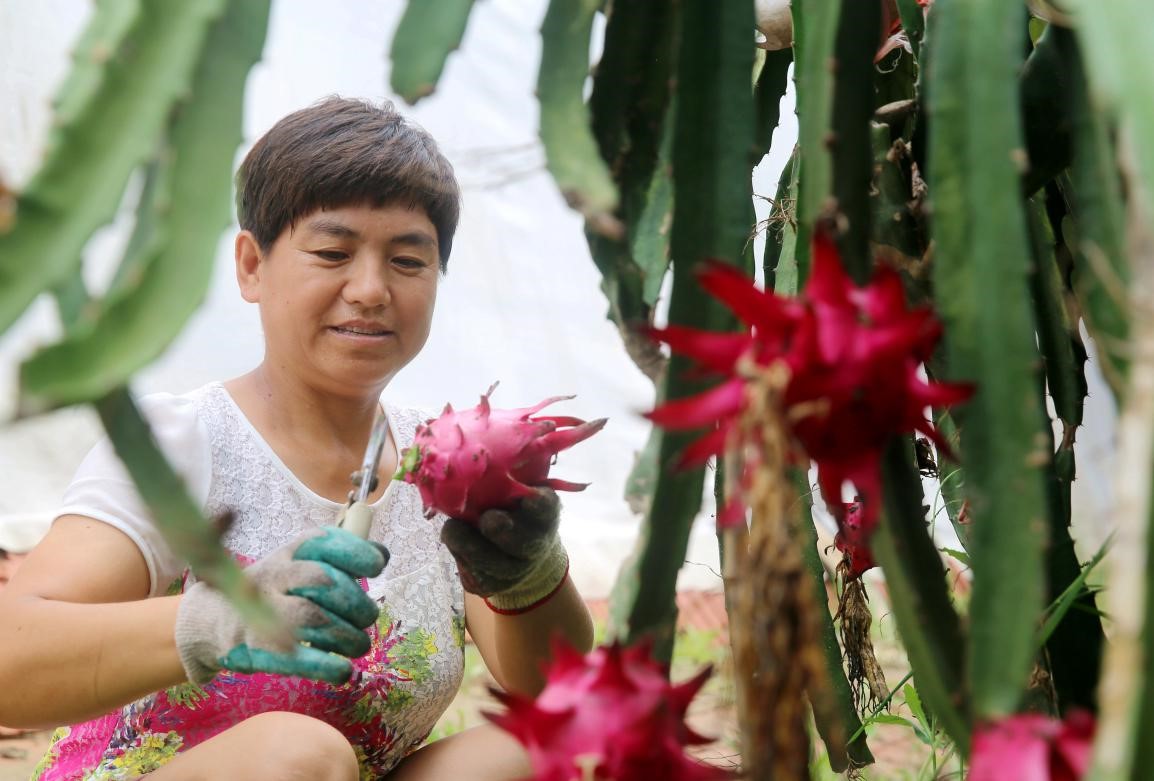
point(248, 266)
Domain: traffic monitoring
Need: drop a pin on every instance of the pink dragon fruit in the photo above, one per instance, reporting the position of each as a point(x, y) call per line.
point(609, 715)
point(1033, 747)
point(465, 463)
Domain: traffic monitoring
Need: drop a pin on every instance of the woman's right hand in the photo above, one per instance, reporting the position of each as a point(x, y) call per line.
point(311, 584)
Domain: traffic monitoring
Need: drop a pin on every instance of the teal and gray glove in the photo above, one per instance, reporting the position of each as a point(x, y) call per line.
point(311, 584)
point(513, 558)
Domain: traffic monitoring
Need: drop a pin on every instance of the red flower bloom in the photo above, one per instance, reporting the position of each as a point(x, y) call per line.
point(1030, 747)
point(853, 356)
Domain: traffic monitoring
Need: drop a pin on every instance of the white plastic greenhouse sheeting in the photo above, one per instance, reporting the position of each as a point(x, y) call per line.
point(521, 303)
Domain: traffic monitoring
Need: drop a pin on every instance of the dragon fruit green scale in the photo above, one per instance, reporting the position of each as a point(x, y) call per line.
point(464, 463)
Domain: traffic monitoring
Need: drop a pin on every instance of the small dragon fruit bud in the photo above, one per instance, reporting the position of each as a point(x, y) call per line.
point(611, 714)
point(853, 541)
point(467, 462)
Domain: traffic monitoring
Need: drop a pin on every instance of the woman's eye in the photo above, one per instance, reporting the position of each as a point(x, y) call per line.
point(412, 263)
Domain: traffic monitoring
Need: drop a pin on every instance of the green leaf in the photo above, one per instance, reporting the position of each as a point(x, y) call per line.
point(914, 702)
point(135, 324)
point(425, 37)
point(960, 555)
point(114, 119)
point(890, 718)
point(1069, 596)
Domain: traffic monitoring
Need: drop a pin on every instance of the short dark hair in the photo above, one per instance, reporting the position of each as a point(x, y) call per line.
point(340, 152)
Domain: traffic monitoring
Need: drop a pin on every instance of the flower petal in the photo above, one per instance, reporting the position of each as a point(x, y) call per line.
point(717, 351)
point(710, 407)
point(752, 306)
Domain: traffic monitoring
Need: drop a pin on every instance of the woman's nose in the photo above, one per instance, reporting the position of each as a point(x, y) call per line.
point(368, 284)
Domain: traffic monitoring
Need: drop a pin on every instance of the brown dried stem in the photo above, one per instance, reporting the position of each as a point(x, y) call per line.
point(775, 633)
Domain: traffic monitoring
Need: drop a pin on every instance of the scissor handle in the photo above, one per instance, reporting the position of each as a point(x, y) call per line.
point(358, 519)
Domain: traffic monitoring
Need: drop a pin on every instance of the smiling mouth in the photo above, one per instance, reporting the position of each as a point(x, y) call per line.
point(360, 331)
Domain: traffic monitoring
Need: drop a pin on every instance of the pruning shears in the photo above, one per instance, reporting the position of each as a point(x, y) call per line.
point(357, 516)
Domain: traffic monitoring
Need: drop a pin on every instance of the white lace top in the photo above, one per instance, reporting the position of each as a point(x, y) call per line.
point(227, 465)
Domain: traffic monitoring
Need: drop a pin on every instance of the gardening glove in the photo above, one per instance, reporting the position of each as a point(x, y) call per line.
point(513, 558)
point(310, 584)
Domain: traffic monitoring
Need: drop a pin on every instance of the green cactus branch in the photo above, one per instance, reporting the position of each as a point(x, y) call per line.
point(179, 521)
point(570, 149)
point(780, 257)
point(709, 220)
point(425, 37)
point(952, 478)
point(1063, 356)
point(628, 118)
point(980, 281)
point(916, 585)
point(183, 527)
point(913, 23)
point(771, 86)
point(1047, 111)
point(137, 323)
point(111, 23)
point(815, 25)
point(1115, 47)
point(114, 119)
point(854, 102)
point(897, 232)
point(176, 516)
point(1075, 646)
point(1097, 227)
point(1074, 650)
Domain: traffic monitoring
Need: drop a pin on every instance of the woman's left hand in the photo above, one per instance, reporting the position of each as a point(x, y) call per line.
point(512, 557)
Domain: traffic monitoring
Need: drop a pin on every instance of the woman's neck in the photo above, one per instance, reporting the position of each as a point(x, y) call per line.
point(283, 407)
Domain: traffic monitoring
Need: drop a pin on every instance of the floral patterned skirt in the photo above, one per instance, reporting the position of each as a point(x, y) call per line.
point(370, 710)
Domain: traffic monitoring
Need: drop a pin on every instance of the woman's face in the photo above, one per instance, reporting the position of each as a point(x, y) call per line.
point(346, 295)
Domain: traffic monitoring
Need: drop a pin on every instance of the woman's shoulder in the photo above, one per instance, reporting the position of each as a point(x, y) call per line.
point(162, 407)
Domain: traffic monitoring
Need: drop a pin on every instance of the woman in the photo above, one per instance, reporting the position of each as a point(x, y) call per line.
point(347, 215)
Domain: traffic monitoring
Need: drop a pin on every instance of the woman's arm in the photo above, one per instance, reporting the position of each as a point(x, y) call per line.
point(515, 647)
point(78, 637)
